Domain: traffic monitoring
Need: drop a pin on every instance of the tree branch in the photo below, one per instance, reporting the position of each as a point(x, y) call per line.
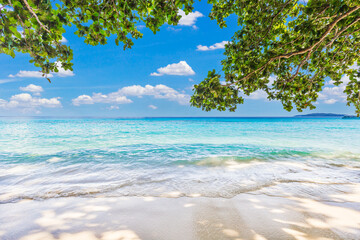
point(35, 16)
point(339, 33)
point(291, 54)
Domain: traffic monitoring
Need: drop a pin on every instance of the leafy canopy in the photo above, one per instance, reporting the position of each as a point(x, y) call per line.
point(296, 42)
point(36, 26)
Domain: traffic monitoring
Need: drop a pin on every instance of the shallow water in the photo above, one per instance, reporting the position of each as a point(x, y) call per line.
point(212, 157)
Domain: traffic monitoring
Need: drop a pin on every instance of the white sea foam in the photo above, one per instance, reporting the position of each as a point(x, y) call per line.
point(54, 159)
point(298, 178)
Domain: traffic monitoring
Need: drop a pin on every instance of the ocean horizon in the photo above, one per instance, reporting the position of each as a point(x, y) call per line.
point(166, 117)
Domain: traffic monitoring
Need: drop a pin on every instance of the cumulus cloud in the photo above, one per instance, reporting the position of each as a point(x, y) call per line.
point(100, 98)
point(190, 19)
point(159, 91)
point(28, 103)
point(32, 88)
point(120, 97)
point(215, 46)
point(38, 74)
point(179, 69)
point(152, 107)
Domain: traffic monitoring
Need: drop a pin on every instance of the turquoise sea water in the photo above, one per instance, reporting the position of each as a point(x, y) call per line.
point(174, 157)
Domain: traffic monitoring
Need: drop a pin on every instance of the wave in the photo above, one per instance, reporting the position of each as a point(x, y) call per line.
point(294, 188)
point(221, 177)
point(196, 154)
point(177, 170)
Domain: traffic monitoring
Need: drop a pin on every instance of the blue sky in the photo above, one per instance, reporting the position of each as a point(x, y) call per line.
point(152, 79)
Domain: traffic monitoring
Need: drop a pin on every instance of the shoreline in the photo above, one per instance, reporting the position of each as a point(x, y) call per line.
point(246, 216)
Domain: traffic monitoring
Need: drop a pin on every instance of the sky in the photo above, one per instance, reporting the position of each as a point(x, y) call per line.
point(152, 79)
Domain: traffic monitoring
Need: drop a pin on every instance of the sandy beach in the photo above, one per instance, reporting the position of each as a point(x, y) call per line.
point(247, 216)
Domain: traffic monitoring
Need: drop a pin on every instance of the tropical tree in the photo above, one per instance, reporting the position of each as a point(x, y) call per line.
point(36, 26)
point(297, 43)
point(286, 48)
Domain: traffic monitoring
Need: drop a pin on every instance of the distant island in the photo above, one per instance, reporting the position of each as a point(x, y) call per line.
point(350, 117)
point(326, 115)
point(316, 115)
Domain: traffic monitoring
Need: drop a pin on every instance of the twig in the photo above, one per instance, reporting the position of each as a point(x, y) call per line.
point(35, 16)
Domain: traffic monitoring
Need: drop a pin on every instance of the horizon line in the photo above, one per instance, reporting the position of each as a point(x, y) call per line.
point(162, 117)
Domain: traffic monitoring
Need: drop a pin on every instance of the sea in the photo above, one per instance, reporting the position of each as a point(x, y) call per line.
point(42, 159)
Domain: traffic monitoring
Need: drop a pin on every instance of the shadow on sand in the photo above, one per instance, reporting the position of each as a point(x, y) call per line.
point(247, 216)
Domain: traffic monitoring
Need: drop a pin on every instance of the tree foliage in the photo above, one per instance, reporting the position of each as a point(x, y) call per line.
point(299, 43)
point(296, 42)
point(36, 26)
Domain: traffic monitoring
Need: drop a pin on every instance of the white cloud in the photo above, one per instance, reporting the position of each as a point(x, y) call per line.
point(27, 103)
point(63, 40)
point(120, 97)
point(332, 94)
point(329, 83)
point(173, 29)
point(190, 19)
point(100, 98)
point(141, 26)
point(7, 80)
point(113, 107)
point(159, 91)
point(215, 46)
point(32, 88)
point(259, 94)
point(354, 66)
point(152, 107)
point(38, 74)
point(271, 81)
point(330, 101)
point(82, 99)
point(179, 69)
point(30, 74)
point(62, 72)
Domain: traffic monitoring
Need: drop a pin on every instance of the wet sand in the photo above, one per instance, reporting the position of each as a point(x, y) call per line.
point(247, 216)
